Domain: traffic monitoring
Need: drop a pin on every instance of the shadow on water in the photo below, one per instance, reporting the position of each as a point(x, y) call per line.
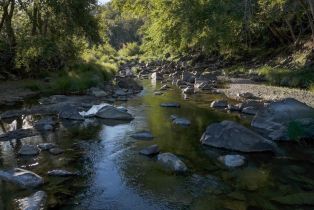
point(115, 176)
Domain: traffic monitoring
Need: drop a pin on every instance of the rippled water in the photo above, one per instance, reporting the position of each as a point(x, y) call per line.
point(115, 176)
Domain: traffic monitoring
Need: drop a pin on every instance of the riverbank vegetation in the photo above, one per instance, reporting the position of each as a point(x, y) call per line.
point(78, 39)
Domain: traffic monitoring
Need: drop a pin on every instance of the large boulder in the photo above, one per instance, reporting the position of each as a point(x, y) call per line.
point(128, 83)
point(36, 201)
point(70, 112)
point(280, 118)
point(22, 178)
point(172, 162)
point(233, 136)
point(110, 112)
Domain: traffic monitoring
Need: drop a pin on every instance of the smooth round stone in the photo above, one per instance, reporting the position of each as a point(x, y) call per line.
point(151, 150)
point(56, 151)
point(143, 135)
point(232, 161)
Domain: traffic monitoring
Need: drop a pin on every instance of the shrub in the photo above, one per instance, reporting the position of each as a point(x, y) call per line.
point(129, 49)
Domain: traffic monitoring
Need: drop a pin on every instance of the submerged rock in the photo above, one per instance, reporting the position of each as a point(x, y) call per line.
point(170, 105)
point(22, 178)
point(56, 151)
point(46, 146)
point(181, 121)
point(172, 162)
point(151, 150)
point(232, 161)
point(62, 173)
point(29, 150)
point(143, 135)
point(110, 112)
point(36, 201)
point(276, 119)
point(45, 124)
point(233, 136)
point(219, 104)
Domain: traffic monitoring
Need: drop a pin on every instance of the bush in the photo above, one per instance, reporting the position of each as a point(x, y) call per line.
point(80, 77)
point(129, 50)
point(37, 54)
point(299, 78)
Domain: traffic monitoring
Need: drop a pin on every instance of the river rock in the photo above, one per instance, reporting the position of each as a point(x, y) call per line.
point(201, 84)
point(56, 151)
point(143, 135)
point(275, 119)
point(250, 110)
point(29, 150)
point(187, 76)
point(62, 173)
point(172, 162)
point(164, 87)
point(151, 150)
point(110, 112)
point(233, 136)
point(181, 121)
point(188, 90)
point(22, 178)
point(46, 146)
point(234, 108)
point(170, 105)
point(219, 104)
point(36, 201)
point(45, 124)
point(156, 76)
point(70, 112)
point(232, 161)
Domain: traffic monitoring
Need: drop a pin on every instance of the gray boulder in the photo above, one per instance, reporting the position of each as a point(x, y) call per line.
point(110, 112)
point(172, 162)
point(22, 178)
point(275, 120)
point(70, 112)
point(233, 136)
point(143, 135)
point(232, 161)
point(29, 150)
point(36, 201)
point(151, 150)
point(219, 104)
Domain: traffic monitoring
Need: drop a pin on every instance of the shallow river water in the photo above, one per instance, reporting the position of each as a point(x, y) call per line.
point(115, 176)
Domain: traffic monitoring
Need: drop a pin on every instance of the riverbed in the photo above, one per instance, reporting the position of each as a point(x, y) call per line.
point(115, 176)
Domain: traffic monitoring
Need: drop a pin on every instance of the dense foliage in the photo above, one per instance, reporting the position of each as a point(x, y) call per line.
point(232, 26)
